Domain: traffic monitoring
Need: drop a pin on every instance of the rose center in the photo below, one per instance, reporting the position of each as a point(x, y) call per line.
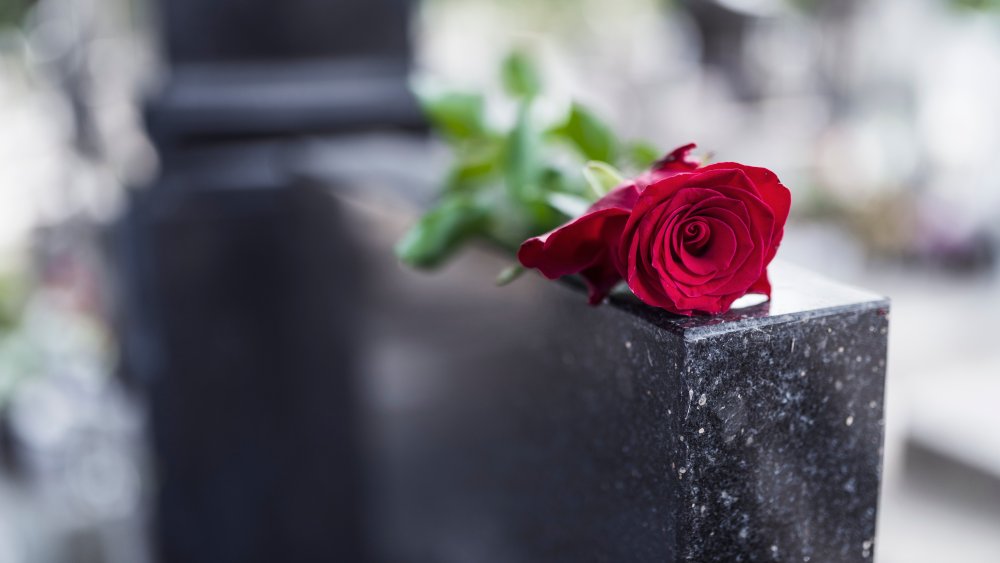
point(696, 235)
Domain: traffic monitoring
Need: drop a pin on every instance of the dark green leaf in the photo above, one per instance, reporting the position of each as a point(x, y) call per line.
point(522, 168)
point(476, 164)
point(457, 115)
point(520, 76)
point(441, 231)
point(591, 136)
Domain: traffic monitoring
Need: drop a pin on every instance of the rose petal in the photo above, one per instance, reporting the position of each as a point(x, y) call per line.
point(601, 278)
point(696, 235)
point(584, 245)
point(713, 177)
point(622, 197)
point(732, 214)
point(761, 286)
point(772, 193)
point(678, 160)
point(720, 252)
point(730, 278)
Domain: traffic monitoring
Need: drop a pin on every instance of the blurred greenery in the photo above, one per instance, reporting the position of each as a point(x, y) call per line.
point(16, 353)
point(602, 177)
point(457, 115)
point(12, 12)
point(805, 5)
point(13, 291)
point(520, 77)
point(976, 4)
point(507, 184)
point(439, 232)
point(642, 155)
point(589, 134)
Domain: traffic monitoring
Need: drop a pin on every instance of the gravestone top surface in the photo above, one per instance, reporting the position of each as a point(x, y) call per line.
point(797, 295)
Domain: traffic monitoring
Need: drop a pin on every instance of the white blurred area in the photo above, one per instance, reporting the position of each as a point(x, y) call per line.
point(72, 476)
point(880, 115)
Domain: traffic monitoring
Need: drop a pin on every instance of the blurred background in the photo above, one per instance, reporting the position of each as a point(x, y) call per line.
point(880, 115)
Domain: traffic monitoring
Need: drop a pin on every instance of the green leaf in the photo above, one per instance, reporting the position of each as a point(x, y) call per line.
point(457, 115)
point(477, 164)
point(522, 168)
point(441, 231)
point(642, 154)
point(509, 274)
point(554, 179)
point(602, 177)
point(591, 136)
point(520, 76)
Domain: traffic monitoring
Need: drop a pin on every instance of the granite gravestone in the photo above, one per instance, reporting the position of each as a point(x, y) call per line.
point(522, 425)
point(242, 315)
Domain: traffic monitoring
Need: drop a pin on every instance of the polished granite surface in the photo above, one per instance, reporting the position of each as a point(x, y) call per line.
point(520, 424)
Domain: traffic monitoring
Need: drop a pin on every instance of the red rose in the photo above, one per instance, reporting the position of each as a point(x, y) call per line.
point(696, 242)
point(686, 239)
point(588, 245)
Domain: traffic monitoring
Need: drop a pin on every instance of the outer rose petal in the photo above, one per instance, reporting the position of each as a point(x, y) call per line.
point(584, 245)
point(571, 248)
point(623, 197)
point(600, 278)
point(761, 286)
point(677, 161)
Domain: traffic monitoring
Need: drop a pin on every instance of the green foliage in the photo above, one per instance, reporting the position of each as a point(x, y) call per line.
point(602, 177)
point(16, 353)
point(457, 115)
point(642, 155)
point(477, 163)
point(520, 76)
point(13, 291)
point(522, 169)
point(589, 135)
point(441, 231)
point(507, 184)
point(12, 12)
point(509, 274)
point(807, 6)
point(976, 4)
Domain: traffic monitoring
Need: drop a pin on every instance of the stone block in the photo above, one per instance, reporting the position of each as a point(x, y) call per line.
point(522, 425)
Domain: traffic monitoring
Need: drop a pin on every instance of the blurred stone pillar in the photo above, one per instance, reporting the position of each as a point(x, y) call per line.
point(243, 283)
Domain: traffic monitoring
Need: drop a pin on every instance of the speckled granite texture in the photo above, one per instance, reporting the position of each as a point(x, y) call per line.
point(778, 436)
point(544, 430)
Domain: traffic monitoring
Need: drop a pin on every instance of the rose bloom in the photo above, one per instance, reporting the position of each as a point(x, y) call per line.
point(685, 238)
